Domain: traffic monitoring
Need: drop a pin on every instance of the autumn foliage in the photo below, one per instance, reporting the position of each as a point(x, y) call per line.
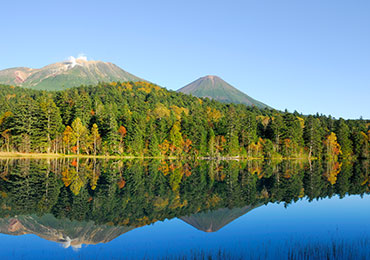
point(143, 119)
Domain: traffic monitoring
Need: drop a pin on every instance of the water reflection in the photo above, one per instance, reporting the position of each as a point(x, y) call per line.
point(90, 201)
point(214, 220)
point(68, 233)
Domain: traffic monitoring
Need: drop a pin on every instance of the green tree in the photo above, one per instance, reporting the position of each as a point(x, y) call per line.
point(26, 126)
point(313, 134)
point(113, 136)
point(275, 130)
point(248, 133)
point(211, 143)
point(82, 106)
point(52, 122)
point(154, 145)
point(268, 148)
point(175, 137)
point(343, 135)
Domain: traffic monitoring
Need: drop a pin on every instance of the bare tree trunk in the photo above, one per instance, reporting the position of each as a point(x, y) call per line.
point(8, 145)
point(311, 143)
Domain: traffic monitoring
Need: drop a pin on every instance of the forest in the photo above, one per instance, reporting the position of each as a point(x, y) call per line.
point(144, 120)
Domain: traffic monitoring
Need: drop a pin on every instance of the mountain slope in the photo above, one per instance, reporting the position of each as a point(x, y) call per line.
point(216, 88)
point(67, 74)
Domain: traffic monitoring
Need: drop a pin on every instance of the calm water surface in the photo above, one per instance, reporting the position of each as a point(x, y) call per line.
point(94, 209)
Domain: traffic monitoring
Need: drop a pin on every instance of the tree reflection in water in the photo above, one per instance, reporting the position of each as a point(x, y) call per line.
point(89, 201)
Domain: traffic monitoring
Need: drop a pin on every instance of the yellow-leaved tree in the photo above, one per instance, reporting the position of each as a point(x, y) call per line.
point(332, 148)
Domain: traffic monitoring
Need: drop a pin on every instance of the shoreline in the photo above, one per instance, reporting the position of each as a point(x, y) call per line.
point(18, 155)
point(58, 155)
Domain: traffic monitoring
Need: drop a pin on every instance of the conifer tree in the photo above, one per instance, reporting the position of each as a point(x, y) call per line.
point(275, 130)
point(52, 121)
point(313, 134)
point(343, 135)
point(211, 143)
point(25, 125)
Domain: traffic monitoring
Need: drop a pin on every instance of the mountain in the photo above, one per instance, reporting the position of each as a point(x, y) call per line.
point(214, 87)
point(63, 231)
point(214, 220)
point(66, 74)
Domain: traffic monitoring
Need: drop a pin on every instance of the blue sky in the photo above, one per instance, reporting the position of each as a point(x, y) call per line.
point(310, 56)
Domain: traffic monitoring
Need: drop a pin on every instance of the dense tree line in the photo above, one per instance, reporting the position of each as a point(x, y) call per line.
point(135, 193)
point(142, 119)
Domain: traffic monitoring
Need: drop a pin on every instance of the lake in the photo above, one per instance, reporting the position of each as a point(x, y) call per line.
point(170, 209)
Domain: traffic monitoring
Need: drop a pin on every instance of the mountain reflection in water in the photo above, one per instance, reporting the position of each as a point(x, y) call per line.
point(214, 220)
point(90, 201)
point(68, 233)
